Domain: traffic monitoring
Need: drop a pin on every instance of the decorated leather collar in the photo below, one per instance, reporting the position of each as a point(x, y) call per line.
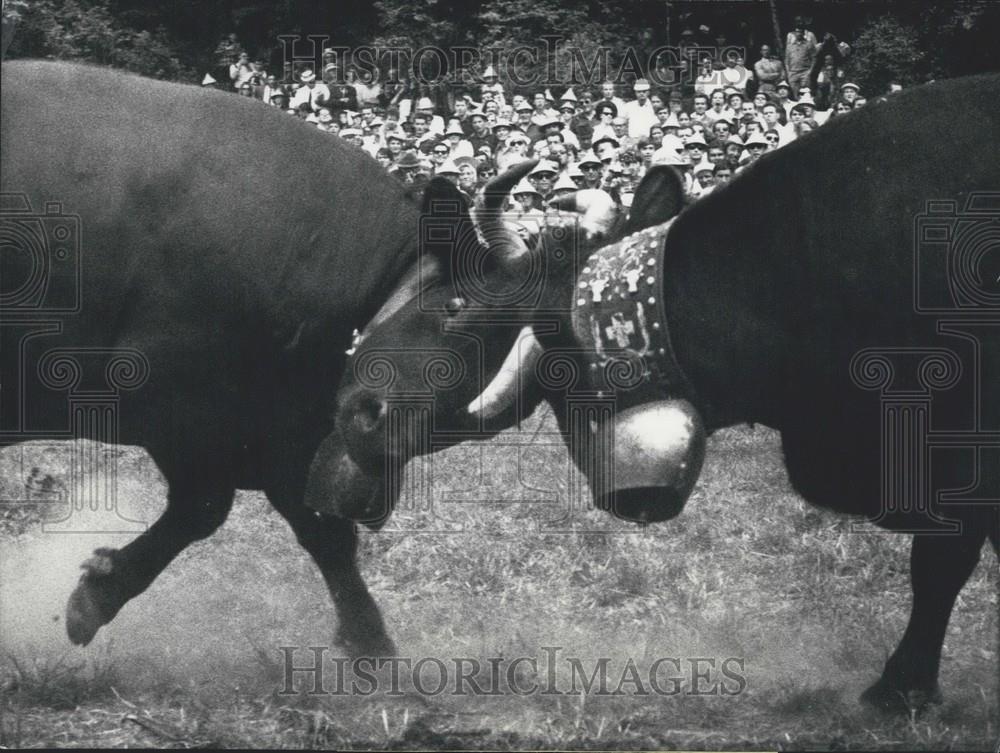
point(619, 319)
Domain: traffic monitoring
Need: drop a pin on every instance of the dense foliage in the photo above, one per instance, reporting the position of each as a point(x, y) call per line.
point(180, 39)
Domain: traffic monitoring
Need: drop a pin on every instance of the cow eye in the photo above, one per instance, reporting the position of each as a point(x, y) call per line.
point(454, 306)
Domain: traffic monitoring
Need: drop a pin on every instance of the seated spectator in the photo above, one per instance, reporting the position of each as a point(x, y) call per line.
point(542, 177)
point(384, 157)
point(449, 171)
point(773, 139)
point(718, 109)
point(592, 169)
point(850, 92)
point(406, 168)
point(606, 113)
point(606, 149)
point(656, 136)
point(704, 174)
point(723, 173)
point(619, 126)
point(468, 176)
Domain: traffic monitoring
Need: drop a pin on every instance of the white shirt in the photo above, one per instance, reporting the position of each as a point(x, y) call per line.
point(640, 118)
point(304, 94)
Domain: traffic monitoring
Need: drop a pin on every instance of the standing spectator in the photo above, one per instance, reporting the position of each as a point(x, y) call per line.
point(271, 88)
point(240, 70)
point(608, 96)
point(735, 74)
point(769, 70)
point(708, 78)
point(342, 96)
point(435, 123)
point(783, 90)
point(228, 51)
point(311, 93)
point(800, 52)
point(492, 86)
point(638, 114)
point(366, 91)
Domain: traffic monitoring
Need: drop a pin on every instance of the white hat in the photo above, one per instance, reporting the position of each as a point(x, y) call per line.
point(208, 80)
point(490, 71)
point(704, 166)
point(669, 157)
point(641, 85)
point(424, 103)
point(307, 76)
point(544, 166)
point(525, 187)
point(564, 182)
point(850, 85)
point(755, 138)
point(448, 167)
point(454, 129)
point(588, 158)
point(568, 95)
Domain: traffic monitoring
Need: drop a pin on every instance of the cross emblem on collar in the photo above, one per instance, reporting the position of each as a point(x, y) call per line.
point(632, 278)
point(620, 329)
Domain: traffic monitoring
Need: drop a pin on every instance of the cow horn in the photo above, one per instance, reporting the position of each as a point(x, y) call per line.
point(486, 213)
point(518, 367)
point(597, 207)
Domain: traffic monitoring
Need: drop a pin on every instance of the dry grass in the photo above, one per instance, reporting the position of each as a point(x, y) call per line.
point(748, 570)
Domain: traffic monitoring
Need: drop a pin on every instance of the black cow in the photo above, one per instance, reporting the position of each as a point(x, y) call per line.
point(214, 256)
point(791, 298)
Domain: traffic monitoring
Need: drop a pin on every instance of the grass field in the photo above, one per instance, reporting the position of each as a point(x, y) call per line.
point(748, 571)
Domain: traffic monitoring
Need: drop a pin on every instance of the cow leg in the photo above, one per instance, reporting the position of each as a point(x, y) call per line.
point(939, 567)
point(113, 576)
point(332, 543)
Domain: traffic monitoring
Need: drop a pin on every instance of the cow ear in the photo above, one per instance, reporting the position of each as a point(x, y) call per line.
point(443, 199)
point(446, 228)
point(659, 197)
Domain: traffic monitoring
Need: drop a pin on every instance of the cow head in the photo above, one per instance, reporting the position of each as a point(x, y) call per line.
point(442, 335)
point(642, 453)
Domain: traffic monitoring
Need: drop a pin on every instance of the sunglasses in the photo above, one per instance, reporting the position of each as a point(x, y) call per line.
point(772, 139)
point(441, 152)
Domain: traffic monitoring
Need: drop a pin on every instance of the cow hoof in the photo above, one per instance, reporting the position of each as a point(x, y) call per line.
point(891, 699)
point(89, 605)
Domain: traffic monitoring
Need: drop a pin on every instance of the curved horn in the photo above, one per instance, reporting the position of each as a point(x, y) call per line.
point(486, 212)
point(598, 208)
point(517, 370)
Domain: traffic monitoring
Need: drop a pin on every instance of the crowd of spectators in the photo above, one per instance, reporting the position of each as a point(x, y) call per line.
point(708, 129)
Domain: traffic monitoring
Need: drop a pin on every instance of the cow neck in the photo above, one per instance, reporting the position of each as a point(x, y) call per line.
point(730, 291)
point(416, 278)
point(620, 314)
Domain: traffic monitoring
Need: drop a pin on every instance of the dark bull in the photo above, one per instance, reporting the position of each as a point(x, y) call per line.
point(842, 290)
